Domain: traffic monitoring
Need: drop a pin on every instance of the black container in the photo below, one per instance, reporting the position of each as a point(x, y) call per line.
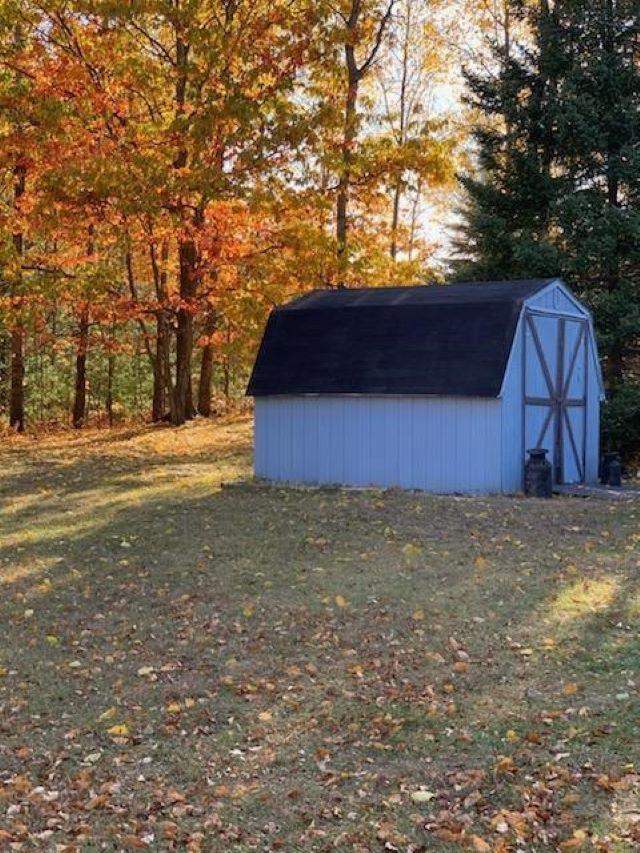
point(537, 474)
point(614, 474)
point(605, 463)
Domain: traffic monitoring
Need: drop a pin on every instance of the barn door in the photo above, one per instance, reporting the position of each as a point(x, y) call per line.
point(555, 382)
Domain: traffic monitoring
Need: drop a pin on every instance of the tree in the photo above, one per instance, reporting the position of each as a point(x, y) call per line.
point(560, 176)
point(184, 162)
point(16, 124)
point(599, 129)
point(415, 61)
point(364, 28)
point(506, 227)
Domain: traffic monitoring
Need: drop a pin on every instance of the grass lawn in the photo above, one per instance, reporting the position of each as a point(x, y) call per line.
point(184, 666)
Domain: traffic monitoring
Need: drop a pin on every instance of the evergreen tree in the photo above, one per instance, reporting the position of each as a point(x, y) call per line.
point(558, 193)
point(508, 205)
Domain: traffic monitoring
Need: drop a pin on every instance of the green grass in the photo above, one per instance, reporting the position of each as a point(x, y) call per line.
point(185, 666)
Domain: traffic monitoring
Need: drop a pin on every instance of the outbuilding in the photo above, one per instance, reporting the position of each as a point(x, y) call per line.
point(439, 388)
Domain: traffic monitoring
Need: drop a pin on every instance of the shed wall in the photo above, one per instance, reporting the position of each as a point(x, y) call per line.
point(592, 454)
point(553, 298)
point(512, 422)
point(440, 444)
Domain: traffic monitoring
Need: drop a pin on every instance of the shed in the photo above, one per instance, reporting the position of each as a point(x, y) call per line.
point(439, 388)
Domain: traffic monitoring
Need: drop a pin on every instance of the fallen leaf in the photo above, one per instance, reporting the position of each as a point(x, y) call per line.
point(135, 842)
point(98, 802)
point(411, 552)
point(119, 730)
point(576, 841)
point(505, 764)
point(422, 796)
point(108, 714)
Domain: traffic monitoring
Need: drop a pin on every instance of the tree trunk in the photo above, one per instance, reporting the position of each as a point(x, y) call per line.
point(395, 219)
point(168, 383)
point(344, 185)
point(111, 369)
point(109, 399)
point(5, 358)
point(187, 254)
point(355, 73)
point(226, 378)
point(414, 218)
point(615, 358)
point(80, 398)
point(16, 394)
point(159, 404)
point(161, 367)
point(206, 367)
point(402, 130)
point(187, 257)
point(227, 365)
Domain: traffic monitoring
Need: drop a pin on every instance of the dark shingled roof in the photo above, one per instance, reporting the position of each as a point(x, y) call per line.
point(447, 339)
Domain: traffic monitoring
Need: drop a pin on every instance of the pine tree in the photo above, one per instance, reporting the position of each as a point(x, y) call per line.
point(508, 204)
point(560, 174)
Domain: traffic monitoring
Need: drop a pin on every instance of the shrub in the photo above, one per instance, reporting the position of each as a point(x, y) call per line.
point(621, 421)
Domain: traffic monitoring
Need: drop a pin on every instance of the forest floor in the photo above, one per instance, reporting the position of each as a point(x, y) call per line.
point(203, 668)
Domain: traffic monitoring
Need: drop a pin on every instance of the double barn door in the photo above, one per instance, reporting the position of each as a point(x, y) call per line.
point(555, 391)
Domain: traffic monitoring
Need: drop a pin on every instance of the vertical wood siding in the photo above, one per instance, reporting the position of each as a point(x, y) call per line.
point(592, 454)
point(440, 444)
point(512, 420)
point(553, 298)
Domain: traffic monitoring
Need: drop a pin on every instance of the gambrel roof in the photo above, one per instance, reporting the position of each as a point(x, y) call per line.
point(451, 340)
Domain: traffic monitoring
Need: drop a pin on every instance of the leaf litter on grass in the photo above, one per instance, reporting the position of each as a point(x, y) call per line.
point(308, 671)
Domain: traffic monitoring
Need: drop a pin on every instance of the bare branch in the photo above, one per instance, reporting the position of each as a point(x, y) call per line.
point(362, 70)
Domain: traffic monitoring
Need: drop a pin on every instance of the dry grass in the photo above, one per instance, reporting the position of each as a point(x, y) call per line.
point(185, 666)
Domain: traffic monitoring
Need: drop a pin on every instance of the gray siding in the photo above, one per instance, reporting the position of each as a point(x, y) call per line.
point(440, 444)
